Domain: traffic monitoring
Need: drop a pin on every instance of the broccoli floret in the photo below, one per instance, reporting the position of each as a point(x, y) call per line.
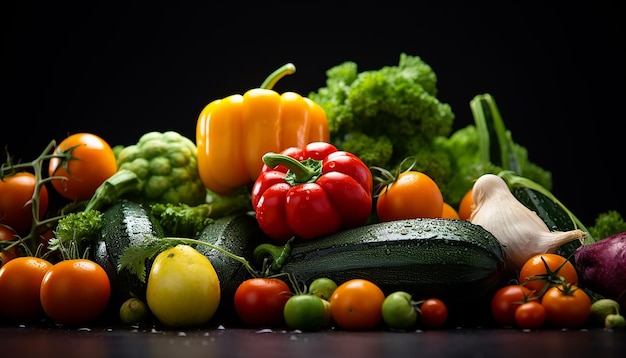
point(395, 102)
point(82, 227)
point(182, 220)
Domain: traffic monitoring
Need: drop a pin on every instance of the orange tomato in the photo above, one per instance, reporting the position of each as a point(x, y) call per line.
point(566, 306)
point(536, 277)
point(466, 206)
point(20, 280)
point(449, 212)
point(75, 291)
point(357, 305)
point(93, 161)
point(7, 255)
point(15, 209)
point(413, 195)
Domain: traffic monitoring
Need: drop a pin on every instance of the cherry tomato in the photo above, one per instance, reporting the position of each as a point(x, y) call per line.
point(466, 205)
point(534, 275)
point(356, 305)
point(413, 195)
point(566, 306)
point(322, 287)
point(16, 211)
point(306, 312)
point(261, 301)
point(433, 313)
point(93, 161)
point(20, 280)
point(9, 254)
point(505, 302)
point(75, 291)
point(398, 310)
point(530, 315)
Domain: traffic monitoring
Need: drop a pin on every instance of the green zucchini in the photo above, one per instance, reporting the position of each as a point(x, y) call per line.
point(454, 260)
point(126, 223)
point(238, 234)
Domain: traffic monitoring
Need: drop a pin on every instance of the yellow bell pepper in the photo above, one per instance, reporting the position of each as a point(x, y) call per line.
point(233, 133)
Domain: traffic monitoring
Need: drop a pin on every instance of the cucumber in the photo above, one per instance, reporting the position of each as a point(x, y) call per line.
point(126, 223)
point(238, 234)
point(453, 260)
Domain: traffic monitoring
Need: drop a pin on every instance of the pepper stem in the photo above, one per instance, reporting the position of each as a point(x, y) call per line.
point(306, 171)
point(275, 76)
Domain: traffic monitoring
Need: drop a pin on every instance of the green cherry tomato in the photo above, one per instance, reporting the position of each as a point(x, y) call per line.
point(306, 312)
point(322, 287)
point(398, 310)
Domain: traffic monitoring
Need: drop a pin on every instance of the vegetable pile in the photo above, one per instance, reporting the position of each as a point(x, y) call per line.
point(334, 214)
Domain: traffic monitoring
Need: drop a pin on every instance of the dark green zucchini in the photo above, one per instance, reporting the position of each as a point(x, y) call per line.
point(238, 234)
point(126, 223)
point(454, 260)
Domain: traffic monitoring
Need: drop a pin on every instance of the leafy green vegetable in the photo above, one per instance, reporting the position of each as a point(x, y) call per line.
point(386, 115)
point(81, 227)
point(607, 223)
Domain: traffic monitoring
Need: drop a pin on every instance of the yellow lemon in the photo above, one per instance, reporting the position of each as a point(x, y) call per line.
point(183, 288)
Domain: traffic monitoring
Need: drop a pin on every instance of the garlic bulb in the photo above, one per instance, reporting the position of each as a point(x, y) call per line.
point(520, 230)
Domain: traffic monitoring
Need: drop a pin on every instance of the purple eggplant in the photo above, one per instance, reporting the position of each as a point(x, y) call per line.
point(601, 267)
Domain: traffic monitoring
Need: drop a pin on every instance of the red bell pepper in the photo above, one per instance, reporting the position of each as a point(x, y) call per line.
point(312, 191)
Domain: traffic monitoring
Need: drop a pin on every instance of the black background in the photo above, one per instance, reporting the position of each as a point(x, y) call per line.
point(556, 72)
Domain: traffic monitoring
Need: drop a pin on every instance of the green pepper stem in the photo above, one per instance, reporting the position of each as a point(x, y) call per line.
point(302, 172)
point(275, 76)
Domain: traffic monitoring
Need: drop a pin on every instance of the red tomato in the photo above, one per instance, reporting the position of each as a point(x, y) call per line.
point(20, 280)
point(433, 313)
point(530, 315)
point(16, 211)
point(92, 162)
point(535, 276)
point(357, 305)
point(75, 291)
point(412, 195)
point(566, 306)
point(7, 255)
point(260, 301)
point(506, 301)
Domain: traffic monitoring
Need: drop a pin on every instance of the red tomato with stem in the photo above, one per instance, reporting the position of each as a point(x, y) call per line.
point(260, 301)
point(567, 306)
point(91, 162)
point(20, 281)
point(505, 302)
point(75, 291)
point(530, 315)
point(16, 210)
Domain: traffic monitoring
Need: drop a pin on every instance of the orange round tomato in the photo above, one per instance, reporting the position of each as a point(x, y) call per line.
point(20, 280)
point(505, 301)
point(566, 306)
point(449, 212)
point(91, 162)
point(16, 210)
point(357, 305)
point(75, 291)
point(466, 205)
point(6, 255)
point(412, 195)
point(535, 276)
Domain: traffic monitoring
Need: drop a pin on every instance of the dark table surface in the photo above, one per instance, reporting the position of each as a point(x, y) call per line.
point(37, 341)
